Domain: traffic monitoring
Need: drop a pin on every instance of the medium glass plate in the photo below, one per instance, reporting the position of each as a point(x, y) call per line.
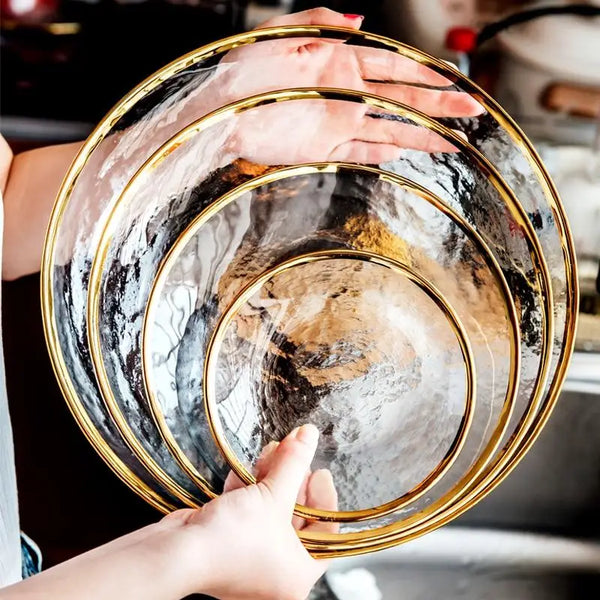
point(146, 202)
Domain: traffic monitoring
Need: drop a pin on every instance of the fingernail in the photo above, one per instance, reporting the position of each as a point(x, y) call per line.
point(307, 434)
point(325, 473)
point(349, 16)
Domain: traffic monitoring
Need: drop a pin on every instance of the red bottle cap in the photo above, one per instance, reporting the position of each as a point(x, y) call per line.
point(461, 39)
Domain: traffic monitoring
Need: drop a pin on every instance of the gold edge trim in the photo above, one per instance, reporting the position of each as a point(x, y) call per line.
point(565, 235)
point(488, 169)
point(482, 162)
point(135, 445)
point(133, 481)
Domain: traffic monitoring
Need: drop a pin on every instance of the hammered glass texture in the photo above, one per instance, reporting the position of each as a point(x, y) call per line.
point(361, 352)
point(345, 211)
point(177, 189)
point(150, 122)
point(178, 178)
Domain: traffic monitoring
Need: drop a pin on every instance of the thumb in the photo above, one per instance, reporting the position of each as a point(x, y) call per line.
point(315, 16)
point(289, 465)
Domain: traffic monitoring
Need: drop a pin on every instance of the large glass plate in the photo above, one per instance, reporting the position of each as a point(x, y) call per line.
point(181, 93)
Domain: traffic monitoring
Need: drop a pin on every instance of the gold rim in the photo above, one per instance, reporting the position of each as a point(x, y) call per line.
point(223, 46)
point(211, 405)
point(110, 457)
point(93, 317)
point(505, 193)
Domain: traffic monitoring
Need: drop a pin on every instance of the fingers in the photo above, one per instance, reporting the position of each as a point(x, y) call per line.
point(265, 460)
point(436, 103)
point(232, 482)
point(298, 522)
point(382, 140)
point(321, 493)
point(380, 131)
point(181, 516)
point(263, 464)
point(290, 462)
point(262, 468)
point(376, 150)
point(385, 65)
point(366, 153)
point(315, 16)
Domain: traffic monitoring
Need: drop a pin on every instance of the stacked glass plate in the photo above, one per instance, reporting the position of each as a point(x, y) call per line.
point(311, 224)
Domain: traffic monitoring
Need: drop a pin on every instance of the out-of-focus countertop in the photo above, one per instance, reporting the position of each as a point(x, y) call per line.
point(584, 373)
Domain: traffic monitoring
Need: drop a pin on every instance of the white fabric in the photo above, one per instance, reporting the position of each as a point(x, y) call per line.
point(10, 544)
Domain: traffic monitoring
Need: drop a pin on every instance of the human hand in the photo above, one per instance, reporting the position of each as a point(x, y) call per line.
point(298, 131)
point(240, 546)
point(311, 62)
point(246, 538)
point(309, 131)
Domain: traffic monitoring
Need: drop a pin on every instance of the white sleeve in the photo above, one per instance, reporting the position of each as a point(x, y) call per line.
point(10, 545)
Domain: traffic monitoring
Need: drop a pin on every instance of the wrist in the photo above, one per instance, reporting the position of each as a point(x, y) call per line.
point(186, 554)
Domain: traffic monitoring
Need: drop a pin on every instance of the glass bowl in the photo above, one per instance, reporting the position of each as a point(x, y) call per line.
point(480, 222)
point(144, 203)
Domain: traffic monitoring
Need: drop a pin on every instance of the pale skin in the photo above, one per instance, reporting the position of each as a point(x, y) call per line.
point(240, 546)
point(244, 544)
point(338, 131)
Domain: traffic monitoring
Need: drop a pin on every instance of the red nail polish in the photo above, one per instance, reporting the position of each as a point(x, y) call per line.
point(354, 16)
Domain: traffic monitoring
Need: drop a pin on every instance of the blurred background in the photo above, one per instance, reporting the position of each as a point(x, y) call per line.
point(64, 63)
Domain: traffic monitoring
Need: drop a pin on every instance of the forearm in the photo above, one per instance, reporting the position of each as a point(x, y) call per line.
point(147, 564)
point(33, 182)
point(34, 177)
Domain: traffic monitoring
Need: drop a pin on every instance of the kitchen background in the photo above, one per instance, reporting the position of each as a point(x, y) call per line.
point(66, 62)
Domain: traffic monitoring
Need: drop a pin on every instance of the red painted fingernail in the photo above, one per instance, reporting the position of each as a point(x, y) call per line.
point(354, 16)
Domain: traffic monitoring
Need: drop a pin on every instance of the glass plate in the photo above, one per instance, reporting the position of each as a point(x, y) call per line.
point(170, 183)
point(177, 95)
point(252, 235)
